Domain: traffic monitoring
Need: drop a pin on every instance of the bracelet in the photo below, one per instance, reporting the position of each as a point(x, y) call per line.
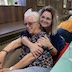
point(50, 48)
point(5, 51)
point(10, 68)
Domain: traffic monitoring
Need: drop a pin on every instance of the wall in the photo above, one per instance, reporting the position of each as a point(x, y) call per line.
point(15, 13)
point(57, 4)
point(11, 14)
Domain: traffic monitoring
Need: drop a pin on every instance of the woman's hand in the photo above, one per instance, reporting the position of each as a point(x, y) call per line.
point(5, 70)
point(44, 41)
point(2, 56)
point(36, 49)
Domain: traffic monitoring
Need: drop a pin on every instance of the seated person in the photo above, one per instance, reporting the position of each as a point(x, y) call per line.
point(65, 29)
point(49, 22)
point(43, 61)
point(53, 42)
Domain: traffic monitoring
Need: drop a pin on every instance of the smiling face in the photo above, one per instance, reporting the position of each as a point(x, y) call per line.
point(46, 19)
point(31, 25)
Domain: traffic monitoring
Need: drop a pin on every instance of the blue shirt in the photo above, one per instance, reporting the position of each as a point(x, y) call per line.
point(56, 40)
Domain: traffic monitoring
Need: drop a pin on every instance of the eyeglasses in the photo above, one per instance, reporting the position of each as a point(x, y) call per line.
point(29, 23)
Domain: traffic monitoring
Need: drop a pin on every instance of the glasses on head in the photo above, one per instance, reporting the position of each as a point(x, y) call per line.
point(29, 23)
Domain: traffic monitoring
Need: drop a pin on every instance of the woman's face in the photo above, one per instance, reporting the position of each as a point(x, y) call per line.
point(31, 25)
point(46, 19)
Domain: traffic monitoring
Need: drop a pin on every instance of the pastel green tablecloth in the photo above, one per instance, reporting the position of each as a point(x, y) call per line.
point(64, 64)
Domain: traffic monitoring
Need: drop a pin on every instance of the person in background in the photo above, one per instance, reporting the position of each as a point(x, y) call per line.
point(65, 29)
point(44, 61)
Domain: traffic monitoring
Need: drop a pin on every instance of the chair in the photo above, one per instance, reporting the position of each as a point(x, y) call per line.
point(61, 53)
point(12, 58)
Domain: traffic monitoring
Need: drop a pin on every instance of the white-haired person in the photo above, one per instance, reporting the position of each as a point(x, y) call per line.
point(42, 62)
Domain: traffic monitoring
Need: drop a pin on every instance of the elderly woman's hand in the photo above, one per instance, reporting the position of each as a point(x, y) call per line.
point(2, 56)
point(36, 49)
point(45, 41)
point(5, 70)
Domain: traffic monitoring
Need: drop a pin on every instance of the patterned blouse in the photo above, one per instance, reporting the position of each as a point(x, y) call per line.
point(45, 60)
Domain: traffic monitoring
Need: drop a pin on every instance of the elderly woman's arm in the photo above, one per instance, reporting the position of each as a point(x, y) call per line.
point(11, 46)
point(25, 61)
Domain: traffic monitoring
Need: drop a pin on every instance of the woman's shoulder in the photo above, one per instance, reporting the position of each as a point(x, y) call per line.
point(57, 41)
point(25, 33)
point(55, 36)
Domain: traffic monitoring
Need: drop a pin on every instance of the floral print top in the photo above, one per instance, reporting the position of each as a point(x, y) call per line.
point(45, 60)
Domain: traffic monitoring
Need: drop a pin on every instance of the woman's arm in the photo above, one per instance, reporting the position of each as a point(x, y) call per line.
point(45, 41)
point(25, 61)
point(34, 48)
point(11, 46)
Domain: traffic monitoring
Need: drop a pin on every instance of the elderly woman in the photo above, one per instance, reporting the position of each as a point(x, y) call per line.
point(43, 61)
point(54, 43)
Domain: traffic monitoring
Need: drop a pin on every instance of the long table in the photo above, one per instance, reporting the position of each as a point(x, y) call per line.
point(63, 64)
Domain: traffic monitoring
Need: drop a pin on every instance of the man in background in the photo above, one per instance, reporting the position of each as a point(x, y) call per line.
point(65, 29)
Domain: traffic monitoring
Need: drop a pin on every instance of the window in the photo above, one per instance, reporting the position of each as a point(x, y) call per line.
point(13, 2)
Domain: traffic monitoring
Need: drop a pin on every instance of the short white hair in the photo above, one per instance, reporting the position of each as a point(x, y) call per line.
point(33, 14)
